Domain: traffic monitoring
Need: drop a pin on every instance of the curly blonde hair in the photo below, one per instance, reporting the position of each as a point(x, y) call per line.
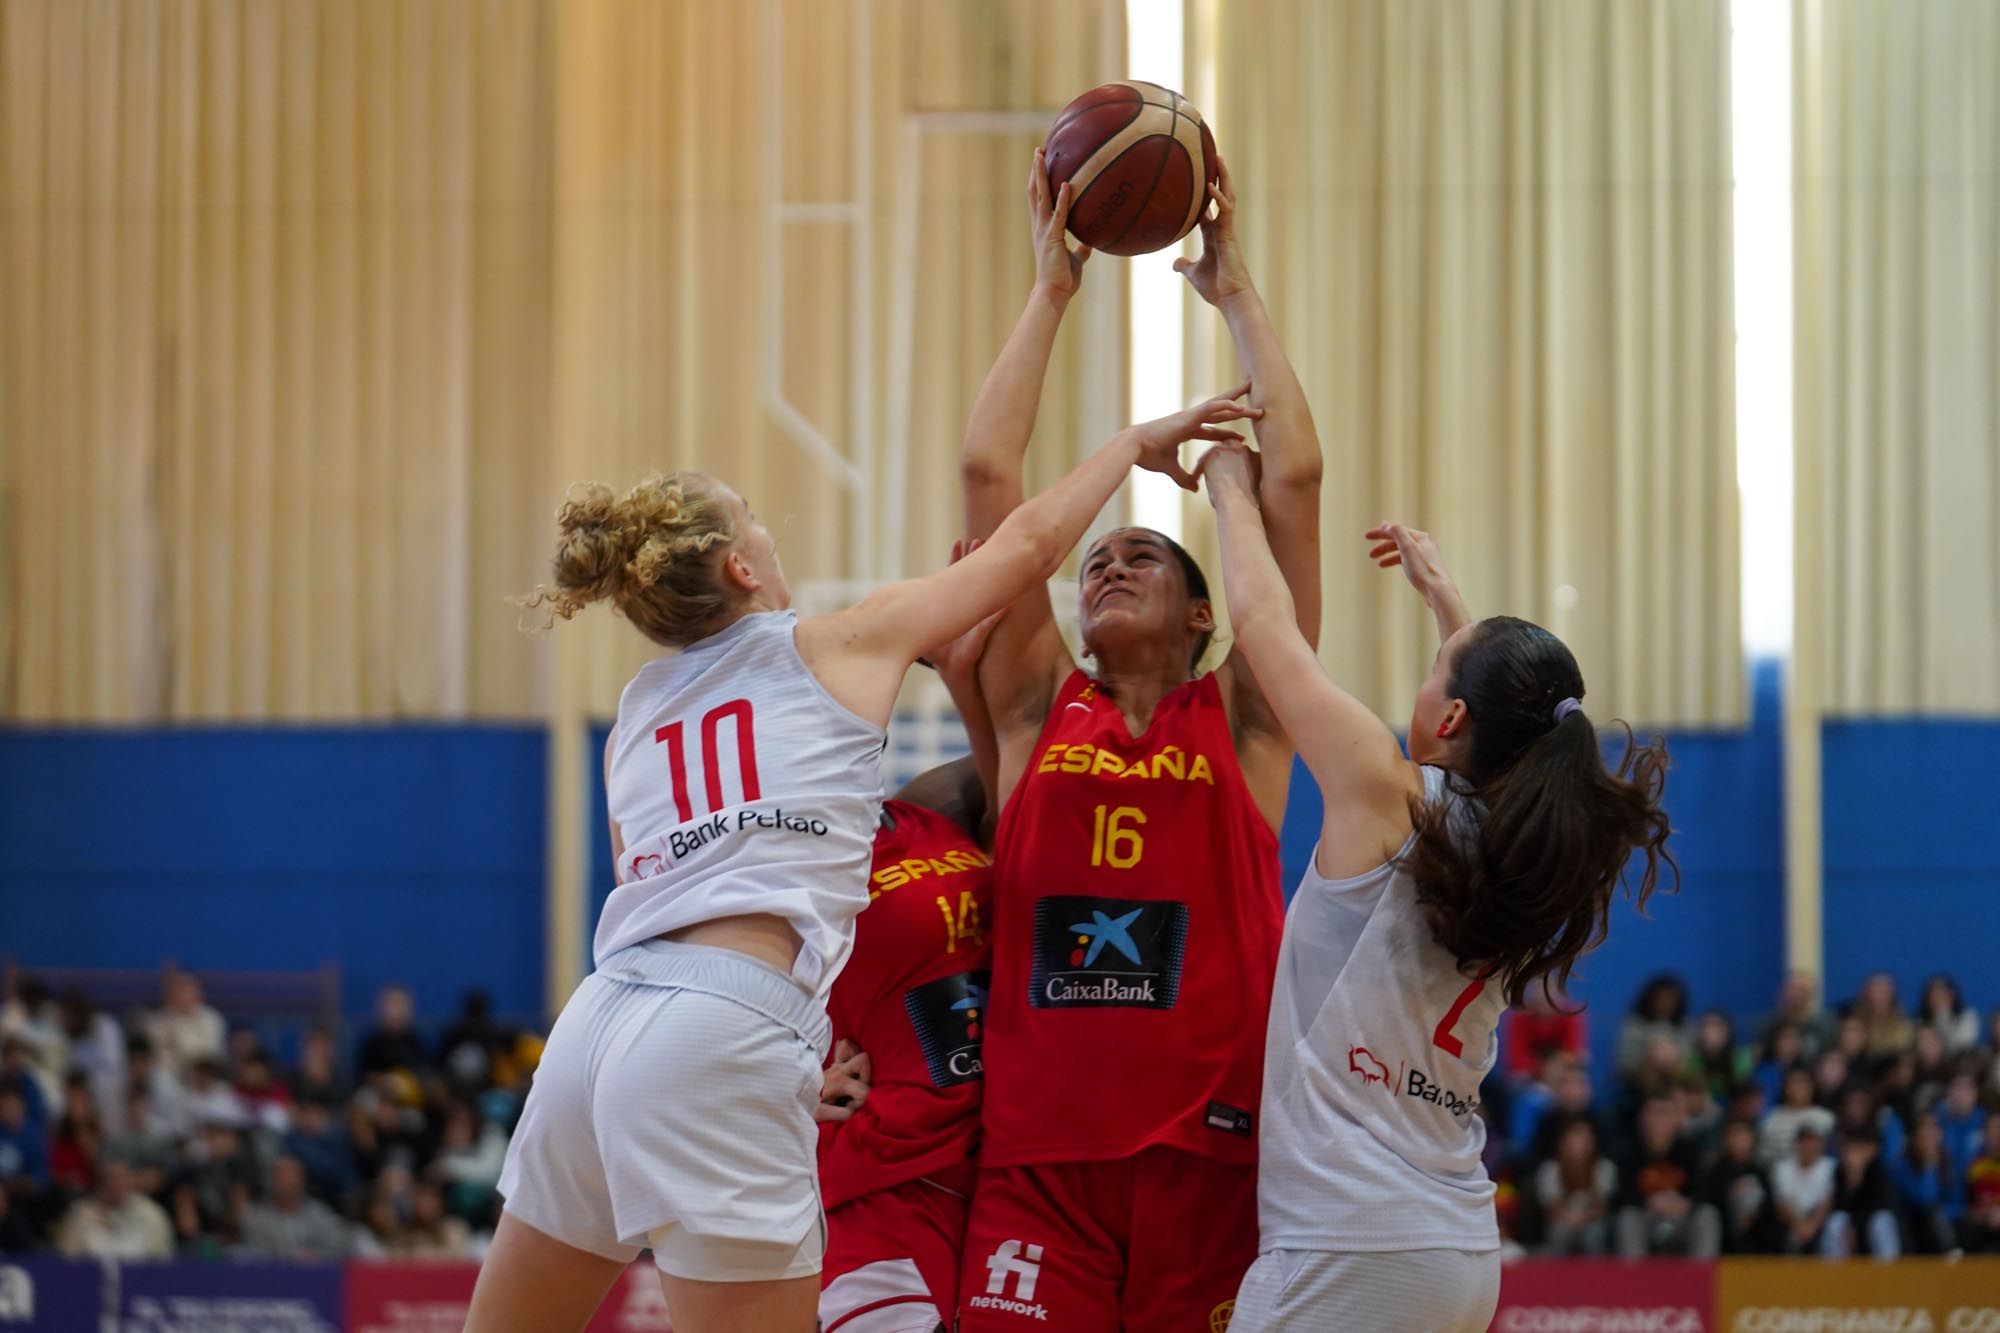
point(652, 553)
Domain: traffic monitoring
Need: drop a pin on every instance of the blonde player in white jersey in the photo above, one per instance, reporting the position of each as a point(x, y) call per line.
point(1443, 886)
point(673, 1108)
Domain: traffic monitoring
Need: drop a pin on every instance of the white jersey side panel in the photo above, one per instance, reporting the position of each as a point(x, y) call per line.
point(741, 786)
point(1377, 1046)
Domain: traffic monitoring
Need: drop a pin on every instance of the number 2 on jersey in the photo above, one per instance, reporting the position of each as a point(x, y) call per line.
point(1444, 1039)
point(711, 767)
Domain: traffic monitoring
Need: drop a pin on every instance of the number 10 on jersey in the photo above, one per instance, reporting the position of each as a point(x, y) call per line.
point(711, 757)
point(1115, 840)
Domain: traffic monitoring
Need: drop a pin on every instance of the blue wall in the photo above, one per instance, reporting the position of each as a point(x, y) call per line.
point(1724, 931)
point(415, 854)
point(1912, 854)
point(410, 853)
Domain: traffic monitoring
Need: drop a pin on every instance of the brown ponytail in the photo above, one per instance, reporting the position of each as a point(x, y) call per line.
point(653, 554)
point(1528, 892)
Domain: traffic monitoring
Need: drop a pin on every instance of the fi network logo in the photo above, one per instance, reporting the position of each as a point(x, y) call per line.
point(1022, 1265)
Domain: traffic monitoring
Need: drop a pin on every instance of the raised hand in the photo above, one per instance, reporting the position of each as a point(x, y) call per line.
point(1230, 468)
point(1160, 439)
point(1220, 273)
point(1058, 269)
point(1415, 552)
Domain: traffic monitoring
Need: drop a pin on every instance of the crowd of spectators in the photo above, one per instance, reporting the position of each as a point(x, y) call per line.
point(1864, 1129)
point(169, 1133)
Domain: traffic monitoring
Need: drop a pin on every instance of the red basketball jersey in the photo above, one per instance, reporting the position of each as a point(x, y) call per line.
point(913, 996)
point(1137, 929)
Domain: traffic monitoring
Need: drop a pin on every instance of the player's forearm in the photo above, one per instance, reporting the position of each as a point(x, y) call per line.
point(1044, 528)
point(1260, 602)
point(1286, 435)
point(1003, 415)
point(1447, 608)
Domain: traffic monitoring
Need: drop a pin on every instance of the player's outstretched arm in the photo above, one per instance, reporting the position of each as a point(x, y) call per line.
point(860, 654)
point(1398, 545)
point(1364, 780)
point(1003, 415)
point(1288, 492)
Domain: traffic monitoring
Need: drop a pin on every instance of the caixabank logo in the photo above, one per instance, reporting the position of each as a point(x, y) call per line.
point(1099, 953)
point(949, 1016)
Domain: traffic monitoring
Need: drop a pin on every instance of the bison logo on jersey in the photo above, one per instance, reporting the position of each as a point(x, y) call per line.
point(949, 1015)
point(1362, 1061)
point(1096, 953)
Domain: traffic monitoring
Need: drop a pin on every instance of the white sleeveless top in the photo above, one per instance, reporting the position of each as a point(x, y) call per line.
point(741, 786)
point(1376, 1048)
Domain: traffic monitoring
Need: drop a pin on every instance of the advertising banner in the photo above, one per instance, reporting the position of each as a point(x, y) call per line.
point(408, 1298)
point(1606, 1296)
point(1859, 1296)
point(45, 1293)
point(229, 1298)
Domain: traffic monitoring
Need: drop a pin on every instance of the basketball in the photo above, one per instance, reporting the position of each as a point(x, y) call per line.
point(1142, 160)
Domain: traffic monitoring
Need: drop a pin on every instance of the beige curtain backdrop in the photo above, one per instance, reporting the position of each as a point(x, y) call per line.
point(1897, 146)
point(1496, 237)
point(310, 311)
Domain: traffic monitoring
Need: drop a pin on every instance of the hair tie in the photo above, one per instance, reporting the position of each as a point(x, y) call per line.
point(1565, 708)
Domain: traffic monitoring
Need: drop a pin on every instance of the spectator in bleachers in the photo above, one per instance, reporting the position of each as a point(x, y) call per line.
point(1863, 1217)
point(1531, 1100)
point(213, 1187)
point(1961, 1117)
point(1830, 1074)
point(1944, 1010)
point(393, 1043)
point(1933, 1066)
point(17, 1075)
point(208, 1098)
point(1799, 1006)
point(1660, 1013)
point(468, 1164)
point(1850, 1038)
point(77, 1139)
point(1740, 1193)
point(1929, 1190)
point(164, 1093)
point(433, 1233)
point(1896, 1087)
point(265, 1100)
point(1889, 1029)
point(1574, 1100)
point(1575, 1188)
point(1657, 1211)
point(319, 1078)
point(1979, 1228)
point(17, 1234)
point(1784, 1047)
point(116, 1221)
point(320, 1143)
point(1795, 1111)
point(1539, 1027)
point(146, 1143)
point(388, 1127)
point(30, 1017)
point(1659, 1073)
point(1860, 1112)
point(185, 1030)
point(24, 1156)
point(1802, 1188)
point(1701, 1115)
point(96, 1050)
point(1721, 1063)
point(473, 1044)
point(291, 1224)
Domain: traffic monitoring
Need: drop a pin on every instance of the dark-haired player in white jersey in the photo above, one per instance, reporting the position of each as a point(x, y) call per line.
point(1443, 887)
point(673, 1106)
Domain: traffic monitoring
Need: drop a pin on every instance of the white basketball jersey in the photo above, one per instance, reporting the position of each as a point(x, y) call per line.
point(741, 786)
point(1377, 1046)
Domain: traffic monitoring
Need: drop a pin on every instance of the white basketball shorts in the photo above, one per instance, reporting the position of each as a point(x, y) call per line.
point(1321, 1291)
point(673, 1108)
